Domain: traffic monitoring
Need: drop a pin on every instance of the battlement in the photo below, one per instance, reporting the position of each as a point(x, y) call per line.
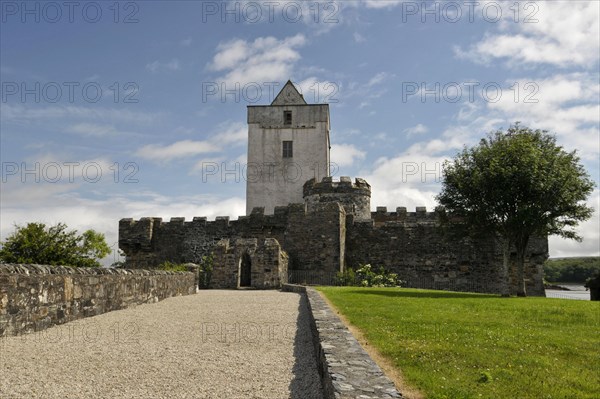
point(143, 235)
point(381, 215)
point(142, 230)
point(344, 186)
point(355, 196)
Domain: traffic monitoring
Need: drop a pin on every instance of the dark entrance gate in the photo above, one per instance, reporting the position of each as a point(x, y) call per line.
point(246, 271)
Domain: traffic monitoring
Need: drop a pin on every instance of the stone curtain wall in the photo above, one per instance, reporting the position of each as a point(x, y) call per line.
point(323, 237)
point(35, 297)
point(423, 253)
point(314, 240)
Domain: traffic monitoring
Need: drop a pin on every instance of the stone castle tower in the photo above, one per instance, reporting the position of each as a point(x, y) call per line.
point(288, 144)
point(302, 226)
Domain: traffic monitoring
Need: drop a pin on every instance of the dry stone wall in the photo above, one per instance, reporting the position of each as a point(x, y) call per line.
point(35, 297)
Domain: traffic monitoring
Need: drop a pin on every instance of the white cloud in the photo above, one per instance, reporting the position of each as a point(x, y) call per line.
point(346, 154)
point(25, 114)
point(229, 134)
point(266, 59)
point(316, 91)
point(358, 38)
point(157, 66)
point(589, 230)
point(372, 89)
point(179, 149)
point(44, 175)
point(382, 3)
point(186, 42)
point(62, 205)
point(573, 39)
point(416, 130)
point(91, 129)
point(379, 78)
point(565, 104)
point(409, 179)
point(319, 17)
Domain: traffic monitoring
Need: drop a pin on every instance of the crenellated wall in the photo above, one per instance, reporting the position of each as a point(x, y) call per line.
point(35, 297)
point(314, 240)
point(426, 253)
point(335, 230)
point(354, 197)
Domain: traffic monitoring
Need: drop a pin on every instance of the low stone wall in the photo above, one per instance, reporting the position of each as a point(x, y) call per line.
point(35, 297)
point(346, 369)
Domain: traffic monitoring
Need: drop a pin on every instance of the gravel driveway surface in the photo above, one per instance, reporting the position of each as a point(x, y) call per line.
point(214, 344)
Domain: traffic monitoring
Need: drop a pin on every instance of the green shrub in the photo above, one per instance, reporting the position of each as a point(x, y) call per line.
point(206, 268)
point(365, 276)
point(172, 267)
point(346, 278)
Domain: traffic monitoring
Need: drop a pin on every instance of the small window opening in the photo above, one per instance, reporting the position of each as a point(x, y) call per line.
point(287, 118)
point(288, 150)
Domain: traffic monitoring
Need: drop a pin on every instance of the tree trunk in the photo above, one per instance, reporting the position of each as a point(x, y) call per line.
point(505, 280)
point(521, 246)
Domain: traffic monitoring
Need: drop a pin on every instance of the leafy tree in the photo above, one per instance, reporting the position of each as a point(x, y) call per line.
point(515, 185)
point(571, 270)
point(55, 245)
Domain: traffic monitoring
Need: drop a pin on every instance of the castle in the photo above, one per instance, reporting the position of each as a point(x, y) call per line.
point(302, 226)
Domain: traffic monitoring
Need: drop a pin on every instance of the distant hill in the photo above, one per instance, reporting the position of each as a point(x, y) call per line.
point(571, 270)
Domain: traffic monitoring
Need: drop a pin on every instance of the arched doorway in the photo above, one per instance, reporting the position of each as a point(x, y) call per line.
point(245, 270)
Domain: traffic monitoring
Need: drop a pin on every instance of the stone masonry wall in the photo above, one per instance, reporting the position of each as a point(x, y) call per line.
point(268, 263)
point(354, 197)
point(35, 297)
point(323, 238)
point(425, 254)
point(314, 240)
point(346, 369)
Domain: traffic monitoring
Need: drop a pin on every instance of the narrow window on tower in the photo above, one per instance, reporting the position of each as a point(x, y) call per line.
point(288, 151)
point(287, 118)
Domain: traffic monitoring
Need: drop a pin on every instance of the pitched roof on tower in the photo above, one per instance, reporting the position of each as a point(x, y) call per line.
point(289, 95)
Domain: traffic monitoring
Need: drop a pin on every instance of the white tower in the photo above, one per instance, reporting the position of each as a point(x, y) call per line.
point(288, 144)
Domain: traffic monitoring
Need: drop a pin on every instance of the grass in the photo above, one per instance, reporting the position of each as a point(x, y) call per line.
point(460, 345)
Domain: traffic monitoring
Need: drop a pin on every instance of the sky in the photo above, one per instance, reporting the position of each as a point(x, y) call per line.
point(114, 110)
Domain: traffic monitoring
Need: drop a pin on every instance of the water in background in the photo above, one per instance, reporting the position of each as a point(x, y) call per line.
point(577, 292)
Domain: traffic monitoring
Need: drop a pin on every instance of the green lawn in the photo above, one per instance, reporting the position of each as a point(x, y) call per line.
point(460, 345)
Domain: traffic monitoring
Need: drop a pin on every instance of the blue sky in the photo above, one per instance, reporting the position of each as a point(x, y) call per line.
point(124, 110)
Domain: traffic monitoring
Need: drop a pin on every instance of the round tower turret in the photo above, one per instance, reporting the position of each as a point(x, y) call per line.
point(354, 197)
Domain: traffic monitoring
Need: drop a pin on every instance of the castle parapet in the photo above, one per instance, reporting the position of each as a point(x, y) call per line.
point(355, 196)
point(420, 216)
point(137, 235)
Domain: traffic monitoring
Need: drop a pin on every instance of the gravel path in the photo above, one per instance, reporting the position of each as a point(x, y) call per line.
point(215, 344)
